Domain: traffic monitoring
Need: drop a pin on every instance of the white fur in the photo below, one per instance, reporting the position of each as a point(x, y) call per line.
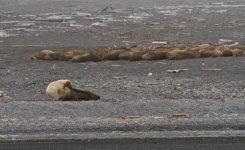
point(55, 89)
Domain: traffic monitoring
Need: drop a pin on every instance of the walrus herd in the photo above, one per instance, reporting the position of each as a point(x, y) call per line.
point(135, 53)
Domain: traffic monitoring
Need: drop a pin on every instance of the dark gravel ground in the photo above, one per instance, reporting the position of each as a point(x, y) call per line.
point(125, 81)
point(214, 100)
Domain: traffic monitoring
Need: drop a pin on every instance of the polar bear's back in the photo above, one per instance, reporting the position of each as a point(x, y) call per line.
point(58, 89)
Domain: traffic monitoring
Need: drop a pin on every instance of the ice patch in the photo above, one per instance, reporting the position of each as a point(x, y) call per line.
point(225, 41)
point(198, 19)
point(128, 42)
point(173, 7)
point(14, 21)
point(221, 11)
point(98, 24)
point(201, 5)
point(222, 5)
point(217, 3)
point(3, 33)
point(213, 11)
point(139, 16)
point(25, 24)
point(169, 12)
point(76, 25)
point(81, 14)
point(29, 16)
point(59, 17)
point(50, 14)
point(23, 29)
point(173, 10)
point(55, 18)
point(105, 18)
point(121, 11)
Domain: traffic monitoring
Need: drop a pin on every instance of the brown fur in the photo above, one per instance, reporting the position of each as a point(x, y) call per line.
point(161, 48)
point(241, 47)
point(137, 49)
point(135, 56)
point(180, 54)
point(102, 53)
point(68, 55)
point(124, 55)
point(217, 53)
point(205, 47)
point(156, 54)
point(77, 94)
point(85, 57)
point(208, 53)
point(179, 46)
point(152, 56)
point(226, 53)
point(44, 54)
point(237, 52)
point(134, 53)
point(113, 54)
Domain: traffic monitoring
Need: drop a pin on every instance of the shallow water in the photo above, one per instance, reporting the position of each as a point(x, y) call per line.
point(110, 22)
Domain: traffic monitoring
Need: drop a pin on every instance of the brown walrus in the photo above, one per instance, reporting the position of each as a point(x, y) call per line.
point(158, 54)
point(237, 52)
point(86, 57)
point(46, 55)
point(180, 54)
point(113, 54)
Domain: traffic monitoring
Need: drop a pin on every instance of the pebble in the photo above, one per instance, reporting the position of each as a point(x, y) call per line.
point(225, 41)
point(176, 70)
point(1, 93)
